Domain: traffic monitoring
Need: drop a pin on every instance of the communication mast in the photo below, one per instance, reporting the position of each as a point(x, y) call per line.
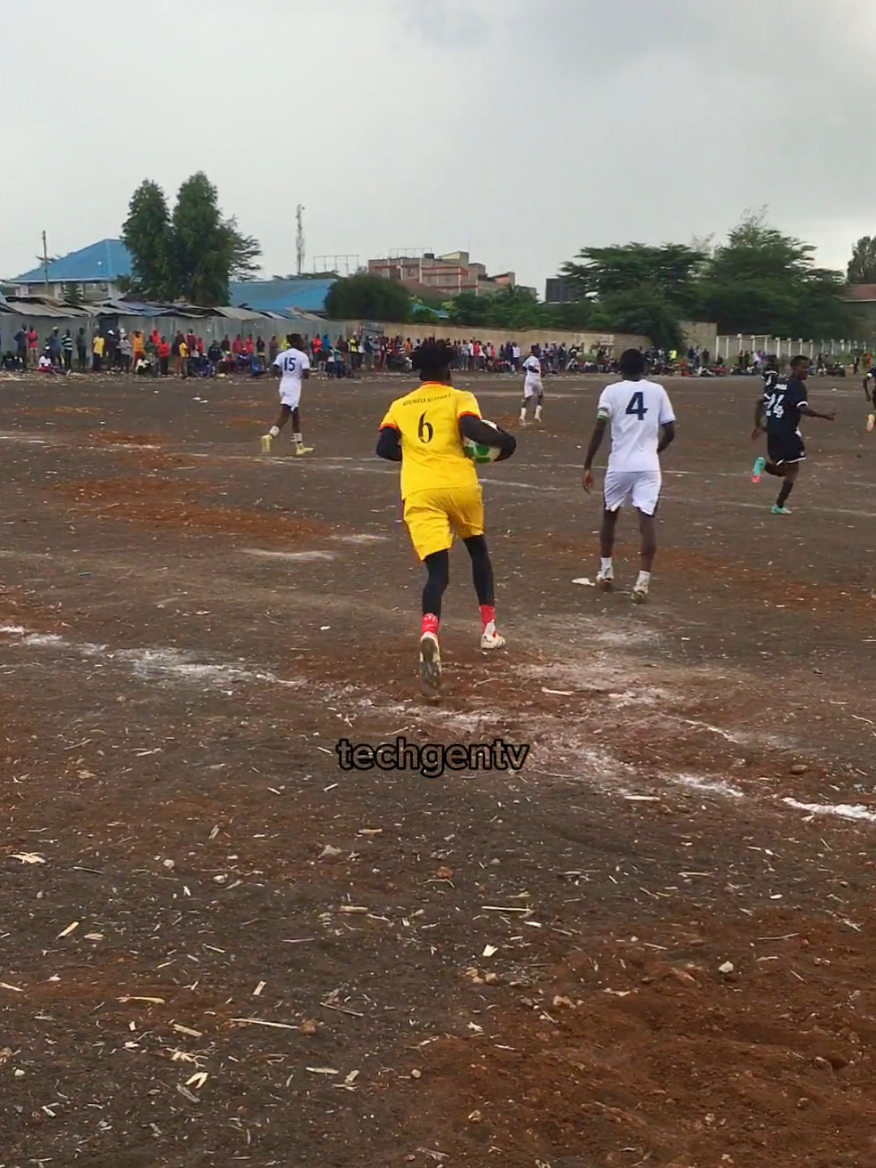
point(299, 237)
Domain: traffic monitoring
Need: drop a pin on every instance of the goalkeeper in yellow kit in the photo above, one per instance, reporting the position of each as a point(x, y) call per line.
point(424, 431)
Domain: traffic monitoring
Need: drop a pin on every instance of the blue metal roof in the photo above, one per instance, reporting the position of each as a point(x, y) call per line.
point(106, 260)
point(281, 295)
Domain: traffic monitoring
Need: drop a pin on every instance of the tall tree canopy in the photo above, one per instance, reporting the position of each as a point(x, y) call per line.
point(146, 234)
point(367, 297)
point(862, 265)
point(671, 268)
point(191, 253)
point(759, 281)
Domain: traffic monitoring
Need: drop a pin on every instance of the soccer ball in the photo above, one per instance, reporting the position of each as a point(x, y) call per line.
point(477, 452)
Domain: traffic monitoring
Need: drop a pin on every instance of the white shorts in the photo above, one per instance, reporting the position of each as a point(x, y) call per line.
point(291, 398)
point(642, 485)
point(532, 389)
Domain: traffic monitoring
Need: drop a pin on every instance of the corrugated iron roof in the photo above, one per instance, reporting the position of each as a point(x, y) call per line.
point(106, 260)
point(282, 296)
point(239, 313)
point(44, 308)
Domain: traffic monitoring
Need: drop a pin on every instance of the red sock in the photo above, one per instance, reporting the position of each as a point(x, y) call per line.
point(488, 614)
point(430, 623)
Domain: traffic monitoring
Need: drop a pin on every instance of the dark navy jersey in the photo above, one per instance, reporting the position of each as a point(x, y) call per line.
point(782, 406)
point(770, 381)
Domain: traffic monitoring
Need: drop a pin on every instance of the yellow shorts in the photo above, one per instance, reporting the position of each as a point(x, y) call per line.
point(434, 517)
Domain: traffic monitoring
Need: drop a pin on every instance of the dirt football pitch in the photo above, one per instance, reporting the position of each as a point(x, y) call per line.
point(652, 945)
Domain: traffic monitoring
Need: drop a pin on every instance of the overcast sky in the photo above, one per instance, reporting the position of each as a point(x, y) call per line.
point(521, 130)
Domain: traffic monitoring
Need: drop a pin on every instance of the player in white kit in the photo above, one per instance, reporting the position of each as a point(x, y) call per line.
point(642, 426)
point(533, 389)
point(292, 366)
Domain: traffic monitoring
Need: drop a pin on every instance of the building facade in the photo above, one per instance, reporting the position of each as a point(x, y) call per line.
point(446, 275)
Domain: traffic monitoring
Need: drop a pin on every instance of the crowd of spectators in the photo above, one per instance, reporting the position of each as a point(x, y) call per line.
point(185, 354)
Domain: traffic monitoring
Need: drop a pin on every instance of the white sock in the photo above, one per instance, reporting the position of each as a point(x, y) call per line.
point(538, 413)
point(274, 431)
point(523, 414)
point(297, 439)
point(605, 566)
point(643, 580)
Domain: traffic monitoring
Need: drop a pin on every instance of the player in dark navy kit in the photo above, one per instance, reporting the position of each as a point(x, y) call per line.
point(771, 375)
point(782, 410)
point(771, 379)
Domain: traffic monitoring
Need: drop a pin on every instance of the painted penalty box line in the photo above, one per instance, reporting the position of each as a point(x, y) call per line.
point(432, 759)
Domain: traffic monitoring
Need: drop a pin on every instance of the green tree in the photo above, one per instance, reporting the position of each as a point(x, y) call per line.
point(200, 248)
point(514, 308)
point(366, 297)
point(862, 265)
point(671, 267)
point(576, 314)
point(644, 311)
point(245, 252)
point(73, 294)
point(469, 310)
point(189, 254)
point(762, 281)
point(146, 234)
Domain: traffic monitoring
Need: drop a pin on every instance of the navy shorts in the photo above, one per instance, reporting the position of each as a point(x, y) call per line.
point(785, 448)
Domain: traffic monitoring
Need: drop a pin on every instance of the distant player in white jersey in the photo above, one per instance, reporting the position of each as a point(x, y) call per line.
point(533, 388)
point(292, 366)
point(642, 426)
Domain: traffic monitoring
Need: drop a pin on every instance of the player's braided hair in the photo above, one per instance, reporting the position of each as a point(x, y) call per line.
point(432, 360)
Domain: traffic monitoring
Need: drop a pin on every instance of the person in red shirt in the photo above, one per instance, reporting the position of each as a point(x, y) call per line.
point(33, 342)
point(237, 346)
point(164, 357)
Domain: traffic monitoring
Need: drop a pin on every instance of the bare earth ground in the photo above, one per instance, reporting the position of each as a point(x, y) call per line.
point(653, 945)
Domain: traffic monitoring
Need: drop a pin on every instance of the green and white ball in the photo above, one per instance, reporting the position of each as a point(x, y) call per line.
point(478, 452)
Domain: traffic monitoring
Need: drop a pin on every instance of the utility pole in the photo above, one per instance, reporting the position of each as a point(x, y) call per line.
point(46, 263)
point(299, 238)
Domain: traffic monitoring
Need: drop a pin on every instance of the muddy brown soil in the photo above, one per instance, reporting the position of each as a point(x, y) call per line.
point(651, 945)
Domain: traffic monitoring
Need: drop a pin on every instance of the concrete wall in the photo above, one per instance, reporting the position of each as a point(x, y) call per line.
point(700, 333)
point(215, 328)
point(587, 340)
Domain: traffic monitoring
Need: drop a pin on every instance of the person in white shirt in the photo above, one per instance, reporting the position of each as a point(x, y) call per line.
point(642, 426)
point(292, 366)
point(533, 389)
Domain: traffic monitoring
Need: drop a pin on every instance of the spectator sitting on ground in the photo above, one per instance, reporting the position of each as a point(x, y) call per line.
point(46, 364)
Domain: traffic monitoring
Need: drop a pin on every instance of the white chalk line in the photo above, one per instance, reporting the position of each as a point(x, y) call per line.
point(167, 665)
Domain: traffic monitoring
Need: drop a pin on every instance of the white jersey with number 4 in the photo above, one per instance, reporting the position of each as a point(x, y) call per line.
point(292, 363)
point(636, 410)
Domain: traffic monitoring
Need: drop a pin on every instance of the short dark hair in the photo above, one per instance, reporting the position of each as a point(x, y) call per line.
point(433, 360)
point(799, 361)
point(296, 340)
point(632, 363)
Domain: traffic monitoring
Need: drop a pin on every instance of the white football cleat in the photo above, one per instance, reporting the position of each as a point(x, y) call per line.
point(605, 581)
point(639, 594)
point(490, 639)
